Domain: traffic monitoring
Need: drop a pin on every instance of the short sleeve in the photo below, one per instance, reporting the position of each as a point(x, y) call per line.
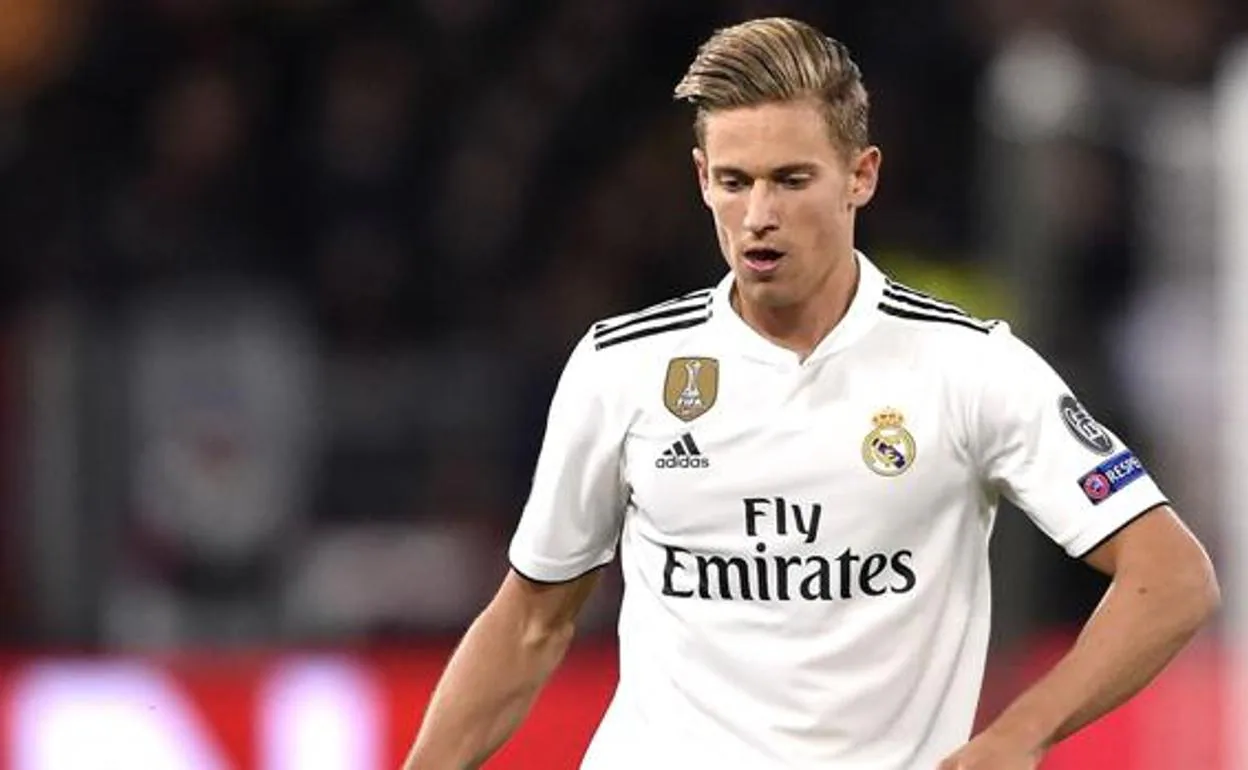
point(1041, 448)
point(572, 518)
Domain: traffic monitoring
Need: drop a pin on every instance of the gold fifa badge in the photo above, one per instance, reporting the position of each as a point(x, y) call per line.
point(691, 386)
point(889, 450)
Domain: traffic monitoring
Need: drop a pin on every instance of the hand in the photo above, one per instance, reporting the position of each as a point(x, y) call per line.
point(993, 751)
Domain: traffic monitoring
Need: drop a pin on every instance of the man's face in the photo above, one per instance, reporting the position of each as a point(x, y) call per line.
point(783, 197)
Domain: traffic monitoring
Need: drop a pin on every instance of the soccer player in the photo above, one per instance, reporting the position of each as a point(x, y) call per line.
point(801, 467)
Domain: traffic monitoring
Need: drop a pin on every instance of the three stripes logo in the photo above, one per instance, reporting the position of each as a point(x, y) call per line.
point(903, 302)
point(683, 453)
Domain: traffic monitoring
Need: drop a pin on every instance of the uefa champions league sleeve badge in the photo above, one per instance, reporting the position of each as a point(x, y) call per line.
point(1086, 430)
point(691, 386)
point(889, 449)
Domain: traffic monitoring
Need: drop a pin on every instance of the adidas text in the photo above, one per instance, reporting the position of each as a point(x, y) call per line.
point(683, 461)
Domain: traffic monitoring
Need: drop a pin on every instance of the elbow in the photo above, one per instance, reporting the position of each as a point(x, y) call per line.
point(544, 636)
point(549, 632)
point(1201, 596)
point(547, 641)
point(1210, 597)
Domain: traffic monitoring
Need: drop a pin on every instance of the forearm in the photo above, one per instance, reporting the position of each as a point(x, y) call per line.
point(1143, 621)
point(487, 689)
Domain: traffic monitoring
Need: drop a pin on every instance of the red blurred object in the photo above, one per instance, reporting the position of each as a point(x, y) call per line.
point(332, 711)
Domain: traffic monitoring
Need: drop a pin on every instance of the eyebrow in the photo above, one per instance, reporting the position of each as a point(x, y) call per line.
point(785, 170)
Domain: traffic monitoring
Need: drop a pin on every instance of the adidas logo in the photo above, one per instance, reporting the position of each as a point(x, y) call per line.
point(683, 453)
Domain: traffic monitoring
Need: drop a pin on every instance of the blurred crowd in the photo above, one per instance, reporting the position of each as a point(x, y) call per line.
point(287, 283)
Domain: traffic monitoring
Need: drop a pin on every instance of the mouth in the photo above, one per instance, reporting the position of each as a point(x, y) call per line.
point(762, 259)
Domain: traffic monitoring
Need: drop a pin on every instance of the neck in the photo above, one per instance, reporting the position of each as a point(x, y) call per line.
point(800, 327)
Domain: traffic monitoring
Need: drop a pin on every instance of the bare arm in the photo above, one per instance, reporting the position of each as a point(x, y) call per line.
point(496, 672)
point(1163, 591)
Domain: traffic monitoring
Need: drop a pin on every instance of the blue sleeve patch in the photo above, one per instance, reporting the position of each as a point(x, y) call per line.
point(1110, 476)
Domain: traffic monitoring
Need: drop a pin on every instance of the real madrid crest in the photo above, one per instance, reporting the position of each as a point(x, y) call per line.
point(691, 385)
point(889, 450)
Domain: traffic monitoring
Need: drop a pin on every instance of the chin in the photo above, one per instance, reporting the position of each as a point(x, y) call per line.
point(766, 292)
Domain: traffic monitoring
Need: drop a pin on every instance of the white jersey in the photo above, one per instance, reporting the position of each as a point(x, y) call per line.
point(805, 543)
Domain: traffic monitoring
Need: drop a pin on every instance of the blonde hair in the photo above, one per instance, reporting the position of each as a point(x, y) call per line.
point(778, 60)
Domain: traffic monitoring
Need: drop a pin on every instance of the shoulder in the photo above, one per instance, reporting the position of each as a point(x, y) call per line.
point(616, 346)
point(923, 314)
point(617, 353)
point(946, 339)
point(661, 323)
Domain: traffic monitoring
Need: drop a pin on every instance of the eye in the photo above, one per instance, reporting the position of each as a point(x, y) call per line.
point(795, 181)
point(732, 183)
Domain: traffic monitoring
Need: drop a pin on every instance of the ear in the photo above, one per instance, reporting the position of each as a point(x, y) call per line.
point(704, 175)
point(864, 176)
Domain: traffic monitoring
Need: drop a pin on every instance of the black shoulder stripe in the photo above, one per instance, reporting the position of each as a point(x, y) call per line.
point(650, 331)
point(918, 315)
point(924, 304)
point(906, 294)
point(656, 315)
point(691, 300)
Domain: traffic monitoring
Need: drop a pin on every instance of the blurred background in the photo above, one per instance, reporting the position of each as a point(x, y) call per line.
point(286, 286)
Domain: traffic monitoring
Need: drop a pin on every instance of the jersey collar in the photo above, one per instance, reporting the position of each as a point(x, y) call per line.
point(860, 317)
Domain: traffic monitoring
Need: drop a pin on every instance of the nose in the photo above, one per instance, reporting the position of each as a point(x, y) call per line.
point(760, 212)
